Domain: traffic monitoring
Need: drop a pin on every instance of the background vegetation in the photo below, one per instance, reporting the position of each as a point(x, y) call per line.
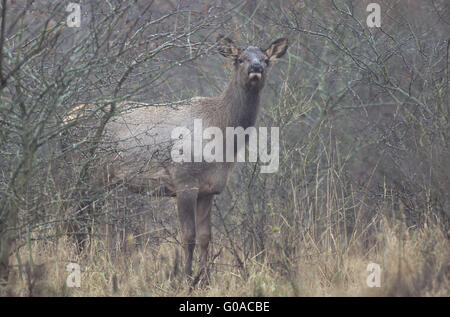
point(364, 156)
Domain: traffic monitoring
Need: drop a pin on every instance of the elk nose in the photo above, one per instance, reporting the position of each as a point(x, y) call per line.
point(256, 68)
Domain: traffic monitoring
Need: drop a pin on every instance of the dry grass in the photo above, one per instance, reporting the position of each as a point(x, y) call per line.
point(413, 263)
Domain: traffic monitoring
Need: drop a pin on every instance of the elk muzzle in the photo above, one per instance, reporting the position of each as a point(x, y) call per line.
point(255, 71)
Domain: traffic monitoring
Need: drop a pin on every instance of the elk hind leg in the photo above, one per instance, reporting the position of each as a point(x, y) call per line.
point(203, 222)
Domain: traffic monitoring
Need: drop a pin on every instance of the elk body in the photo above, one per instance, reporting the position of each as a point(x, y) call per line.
point(141, 142)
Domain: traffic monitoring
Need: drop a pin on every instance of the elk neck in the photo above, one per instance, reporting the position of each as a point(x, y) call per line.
point(242, 103)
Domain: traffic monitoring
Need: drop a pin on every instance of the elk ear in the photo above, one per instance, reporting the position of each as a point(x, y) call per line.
point(226, 47)
point(277, 49)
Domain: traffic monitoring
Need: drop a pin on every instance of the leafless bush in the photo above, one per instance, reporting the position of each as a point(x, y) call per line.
point(363, 116)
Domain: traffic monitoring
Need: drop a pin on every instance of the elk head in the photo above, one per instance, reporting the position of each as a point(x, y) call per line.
point(251, 63)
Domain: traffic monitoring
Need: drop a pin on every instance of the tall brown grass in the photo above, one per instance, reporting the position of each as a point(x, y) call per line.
point(414, 262)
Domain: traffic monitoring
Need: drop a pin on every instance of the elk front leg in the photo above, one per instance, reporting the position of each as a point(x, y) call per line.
point(203, 219)
point(186, 203)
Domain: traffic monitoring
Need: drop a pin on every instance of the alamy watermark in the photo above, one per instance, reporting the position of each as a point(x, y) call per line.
point(189, 146)
point(374, 18)
point(374, 278)
point(74, 18)
point(74, 278)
